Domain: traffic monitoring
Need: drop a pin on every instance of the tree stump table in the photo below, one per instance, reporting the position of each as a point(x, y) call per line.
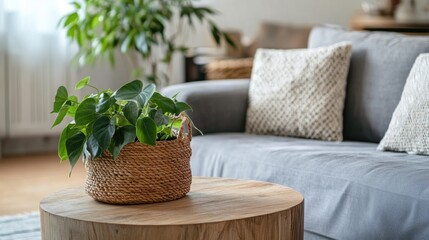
point(216, 208)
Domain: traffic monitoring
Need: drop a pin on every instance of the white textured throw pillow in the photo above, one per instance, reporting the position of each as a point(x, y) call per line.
point(299, 93)
point(409, 128)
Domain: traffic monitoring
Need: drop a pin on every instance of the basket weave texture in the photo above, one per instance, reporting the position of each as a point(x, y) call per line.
point(229, 69)
point(142, 173)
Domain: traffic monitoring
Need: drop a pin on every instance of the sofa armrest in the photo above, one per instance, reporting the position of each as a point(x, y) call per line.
point(218, 106)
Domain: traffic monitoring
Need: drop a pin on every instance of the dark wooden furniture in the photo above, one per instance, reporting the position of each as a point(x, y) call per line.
point(363, 22)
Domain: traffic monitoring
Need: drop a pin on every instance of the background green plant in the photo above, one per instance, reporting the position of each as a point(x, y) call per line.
point(101, 26)
point(108, 120)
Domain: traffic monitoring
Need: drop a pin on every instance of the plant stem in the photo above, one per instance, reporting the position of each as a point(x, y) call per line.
point(98, 91)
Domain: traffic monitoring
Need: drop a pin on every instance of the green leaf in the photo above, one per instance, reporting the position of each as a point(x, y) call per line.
point(61, 114)
point(122, 137)
point(86, 112)
point(61, 21)
point(93, 147)
point(146, 94)
point(149, 90)
point(121, 121)
point(73, 99)
point(229, 40)
point(200, 15)
point(175, 96)
point(105, 103)
point(76, 5)
point(177, 123)
point(67, 132)
point(95, 21)
point(141, 44)
point(127, 41)
point(126, 44)
point(152, 113)
point(146, 131)
point(82, 83)
point(74, 103)
point(163, 103)
point(129, 91)
point(131, 112)
point(216, 34)
point(165, 133)
point(182, 106)
point(207, 10)
point(71, 18)
point(160, 118)
point(72, 32)
point(103, 131)
point(74, 146)
point(80, 37)
point(60, 98)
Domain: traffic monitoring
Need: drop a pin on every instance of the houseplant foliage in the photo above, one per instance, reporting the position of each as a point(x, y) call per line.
point(99, 27)
point(108, 120)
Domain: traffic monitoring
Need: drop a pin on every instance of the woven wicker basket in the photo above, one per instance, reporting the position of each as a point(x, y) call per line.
point(141, 173)
point(229, 69)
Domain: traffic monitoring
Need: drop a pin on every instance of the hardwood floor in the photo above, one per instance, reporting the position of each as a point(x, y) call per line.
point(25, 180)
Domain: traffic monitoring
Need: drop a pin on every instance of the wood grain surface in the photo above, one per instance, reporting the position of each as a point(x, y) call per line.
point(216, 208)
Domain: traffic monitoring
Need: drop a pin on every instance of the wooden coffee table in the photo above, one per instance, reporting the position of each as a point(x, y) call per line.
point(216, 208)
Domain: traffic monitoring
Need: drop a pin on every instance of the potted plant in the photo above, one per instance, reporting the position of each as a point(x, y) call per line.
point(133, 142)
point(155, 29)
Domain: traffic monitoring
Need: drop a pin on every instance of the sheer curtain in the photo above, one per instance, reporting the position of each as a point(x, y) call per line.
point(34, 62)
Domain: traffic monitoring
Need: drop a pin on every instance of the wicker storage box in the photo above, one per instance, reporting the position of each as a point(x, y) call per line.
point(229, 69)
point(141, 173)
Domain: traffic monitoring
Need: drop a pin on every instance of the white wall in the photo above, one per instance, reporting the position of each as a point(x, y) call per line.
point(246, 15)
point(2, 92)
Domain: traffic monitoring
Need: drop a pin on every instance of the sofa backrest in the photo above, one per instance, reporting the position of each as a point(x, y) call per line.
point(379, 67)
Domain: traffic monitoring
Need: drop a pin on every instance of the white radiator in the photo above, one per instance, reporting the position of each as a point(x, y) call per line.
point(31, 86)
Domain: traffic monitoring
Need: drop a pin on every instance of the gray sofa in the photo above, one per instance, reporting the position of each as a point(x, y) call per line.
point(351, 190)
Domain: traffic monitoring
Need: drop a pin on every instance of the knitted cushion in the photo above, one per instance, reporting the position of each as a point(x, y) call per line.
point(299, 93)
point(409, 128)
point(379, 66)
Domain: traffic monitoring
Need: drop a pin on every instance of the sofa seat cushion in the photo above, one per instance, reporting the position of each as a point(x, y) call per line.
point(351, 190)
